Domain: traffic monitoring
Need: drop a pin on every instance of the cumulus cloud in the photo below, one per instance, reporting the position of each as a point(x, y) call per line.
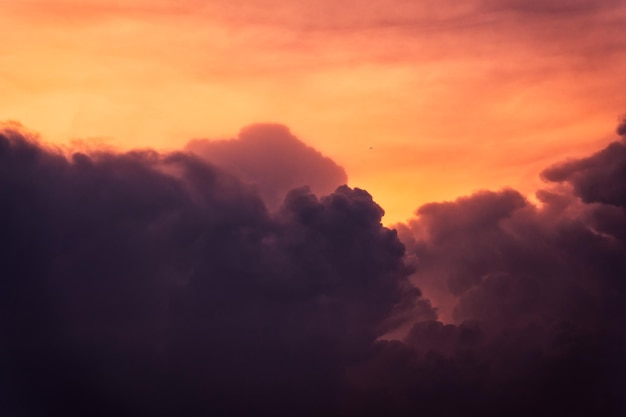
point(141, 283)
point(273, 159)
point(598, 178)
point(148, 284)
point(533, 297)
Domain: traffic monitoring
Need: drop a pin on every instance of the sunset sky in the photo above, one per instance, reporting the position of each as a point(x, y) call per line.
point(450, 96)
point(314, 208)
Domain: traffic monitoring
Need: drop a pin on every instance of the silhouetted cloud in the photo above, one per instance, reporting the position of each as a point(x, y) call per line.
point(146, 284)
point(270, 157)
point(535, 295)
point(598, 178)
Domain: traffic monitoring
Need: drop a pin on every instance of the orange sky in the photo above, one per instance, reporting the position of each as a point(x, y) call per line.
point(452, 96)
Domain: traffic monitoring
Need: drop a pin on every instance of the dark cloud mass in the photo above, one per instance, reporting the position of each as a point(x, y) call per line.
point(599, 178)
point(537, 295)
point(147, 284)
point(270, 157)
point(142, 284)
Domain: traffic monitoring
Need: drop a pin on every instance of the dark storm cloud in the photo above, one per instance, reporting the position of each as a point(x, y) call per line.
point(536, 292)
point(273, 159)
point(147, 284)
point(600, 178)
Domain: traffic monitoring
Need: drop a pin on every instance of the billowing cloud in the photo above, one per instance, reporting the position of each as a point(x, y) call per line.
point(270, 157)
point(149, 284)
point(598, 178)
point(142, 283)
point(534, 298)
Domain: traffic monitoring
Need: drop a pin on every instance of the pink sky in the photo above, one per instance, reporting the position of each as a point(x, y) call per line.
point(451, 96)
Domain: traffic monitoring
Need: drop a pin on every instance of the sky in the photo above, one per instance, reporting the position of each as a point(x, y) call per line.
point(418, 101)
point(312, 209)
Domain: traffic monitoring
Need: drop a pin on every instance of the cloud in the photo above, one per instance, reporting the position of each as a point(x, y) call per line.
point(533, 296)
point(621, 129)
point(559, 7)
point(145, 284)
point(141, 283)
point(599, 178)
point(273, 159)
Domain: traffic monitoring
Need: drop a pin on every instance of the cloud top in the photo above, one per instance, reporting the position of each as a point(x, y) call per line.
point(272, 158)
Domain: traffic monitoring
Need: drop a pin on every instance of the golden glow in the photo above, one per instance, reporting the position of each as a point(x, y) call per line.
point(450, 98)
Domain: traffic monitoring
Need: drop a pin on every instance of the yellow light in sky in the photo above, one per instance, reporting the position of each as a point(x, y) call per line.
point(451, 98)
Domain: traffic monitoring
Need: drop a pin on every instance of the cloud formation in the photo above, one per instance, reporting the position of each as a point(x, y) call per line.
point(534, 296)
point(598, 178)
point(141, 283)
point(270, 157)
point(148, 284)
